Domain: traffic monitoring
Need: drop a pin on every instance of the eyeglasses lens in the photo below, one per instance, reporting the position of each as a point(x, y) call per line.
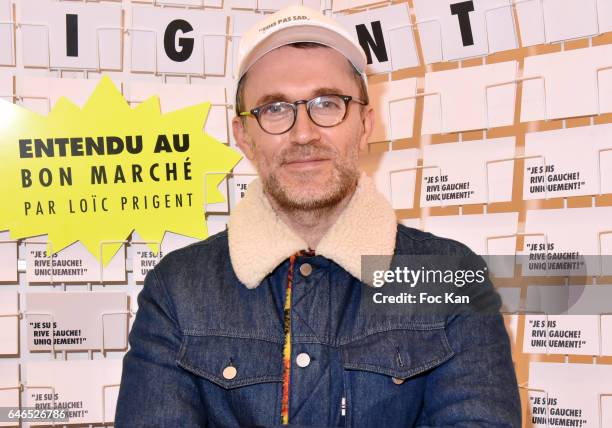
point(278, 117)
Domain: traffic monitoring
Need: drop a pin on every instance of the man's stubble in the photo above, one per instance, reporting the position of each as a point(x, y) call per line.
point(340, 183)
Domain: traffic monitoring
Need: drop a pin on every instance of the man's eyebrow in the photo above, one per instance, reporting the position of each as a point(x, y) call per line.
point(268, 98)
point(327, 91)
point(277, 96)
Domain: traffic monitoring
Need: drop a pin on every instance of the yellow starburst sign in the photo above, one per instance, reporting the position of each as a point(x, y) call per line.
point(98, 173)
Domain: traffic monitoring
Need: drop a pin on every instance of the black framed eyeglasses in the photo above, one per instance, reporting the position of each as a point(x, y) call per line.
point(324, 110)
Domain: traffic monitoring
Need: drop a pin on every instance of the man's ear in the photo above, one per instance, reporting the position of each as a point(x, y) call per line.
point(367, 120)
point(243, 140)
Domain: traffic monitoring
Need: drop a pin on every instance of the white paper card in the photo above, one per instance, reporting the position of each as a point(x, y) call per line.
point(480, 232)
point(567, 84)
point(82, 383)
point(70, 34)
point(7, 34)
point(143, 259)
point(7, 90)
point(510, 297)
point(216, 223)
point(40, 94)
point(531, 22)
point(241, 23)
point(76, 321)
point(561, 242)
point(9, 388)
point(553, 21)
point(604, 9)
point(573, 392)
point(175, 97)
point(241, 184)
point(243, 173)
point(511, 324)
point(568, 162)
point(577, 320)
point(9, 323)
point(566, 334)
point(454, 29)
point(386, 35)
point(394, 114)
point(174, 241)
point(199, 41)
point(394, 174)
point(486, 234)
point(466, 98)
point(72, 264)
point(8, 257)
point(464, 172)
point(595, 299)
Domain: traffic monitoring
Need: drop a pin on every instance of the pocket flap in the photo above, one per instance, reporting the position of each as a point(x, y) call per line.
point(253, 360)
point(399, 353)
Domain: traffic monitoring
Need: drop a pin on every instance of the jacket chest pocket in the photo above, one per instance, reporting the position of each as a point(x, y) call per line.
point(383, 386)
point(231, 362)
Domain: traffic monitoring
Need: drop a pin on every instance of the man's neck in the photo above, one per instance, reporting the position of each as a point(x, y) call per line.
point(311, 225)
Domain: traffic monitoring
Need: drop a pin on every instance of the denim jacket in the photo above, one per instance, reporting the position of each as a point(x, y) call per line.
point(206, 347)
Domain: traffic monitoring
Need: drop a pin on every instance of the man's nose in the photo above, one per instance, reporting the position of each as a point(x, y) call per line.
point(304, 130)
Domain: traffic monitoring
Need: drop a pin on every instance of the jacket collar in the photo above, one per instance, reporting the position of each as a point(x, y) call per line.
point(259, 240)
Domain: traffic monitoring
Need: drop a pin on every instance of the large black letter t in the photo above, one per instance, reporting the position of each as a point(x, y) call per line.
point(462, 10)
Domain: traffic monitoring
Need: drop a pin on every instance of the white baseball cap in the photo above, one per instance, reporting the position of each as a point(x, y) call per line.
point(297, 24)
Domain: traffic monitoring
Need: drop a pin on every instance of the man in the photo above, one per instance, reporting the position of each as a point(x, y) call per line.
point(264, 324)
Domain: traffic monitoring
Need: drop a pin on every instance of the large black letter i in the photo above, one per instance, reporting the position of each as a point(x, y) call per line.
point(72, 35)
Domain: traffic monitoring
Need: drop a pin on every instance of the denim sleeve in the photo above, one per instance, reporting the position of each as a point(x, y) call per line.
point(154, 391)
point(477, 387)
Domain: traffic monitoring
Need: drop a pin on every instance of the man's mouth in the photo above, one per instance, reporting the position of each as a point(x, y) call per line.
point(306, 160)
point(306, 163)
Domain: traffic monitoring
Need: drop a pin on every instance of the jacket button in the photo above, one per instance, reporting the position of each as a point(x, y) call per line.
point(397, 380)
point(305, 269)
point(302, 359)
point(230, 372)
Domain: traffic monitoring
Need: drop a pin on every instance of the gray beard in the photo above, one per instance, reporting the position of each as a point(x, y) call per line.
point(343, 183)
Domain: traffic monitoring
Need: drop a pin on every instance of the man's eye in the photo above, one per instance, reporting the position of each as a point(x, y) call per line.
point(329, 104)
point(274, 108)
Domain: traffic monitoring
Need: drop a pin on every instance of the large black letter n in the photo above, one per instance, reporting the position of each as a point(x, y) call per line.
point(377, 44)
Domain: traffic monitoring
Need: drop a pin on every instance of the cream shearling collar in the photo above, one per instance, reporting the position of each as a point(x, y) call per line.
point(259, 240)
